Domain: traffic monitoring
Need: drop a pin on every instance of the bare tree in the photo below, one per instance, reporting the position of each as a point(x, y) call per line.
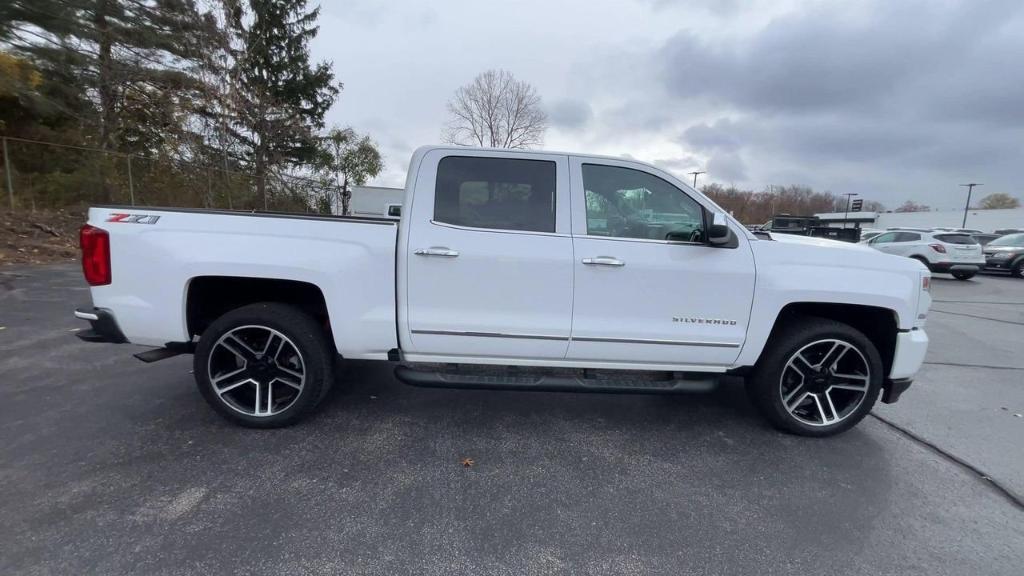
point(497, 111)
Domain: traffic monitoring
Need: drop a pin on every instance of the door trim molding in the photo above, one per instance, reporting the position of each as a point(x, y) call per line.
point(489, 335)
point(577, 339)
point(654, 341)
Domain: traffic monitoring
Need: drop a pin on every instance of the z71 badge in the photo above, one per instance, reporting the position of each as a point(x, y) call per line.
point(133, 218)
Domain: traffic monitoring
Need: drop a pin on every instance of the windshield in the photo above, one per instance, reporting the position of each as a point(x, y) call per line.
point(1008, 240)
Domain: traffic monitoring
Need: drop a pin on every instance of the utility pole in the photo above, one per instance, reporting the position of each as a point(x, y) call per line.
point(970, 188)
point(847, 213)
point(7, 173)
point(695, 173)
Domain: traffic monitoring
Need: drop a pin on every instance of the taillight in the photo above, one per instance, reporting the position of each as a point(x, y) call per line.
point(95, 243)
point(926, 283)
point(938, 248)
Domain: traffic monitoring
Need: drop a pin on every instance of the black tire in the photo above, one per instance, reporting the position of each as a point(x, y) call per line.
point(963, 275)
point(767, 383)
point(1018, 269)
point(307, 351)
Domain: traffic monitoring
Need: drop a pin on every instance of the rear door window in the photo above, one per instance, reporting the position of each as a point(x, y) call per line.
point(955, 239)
point(497, 193)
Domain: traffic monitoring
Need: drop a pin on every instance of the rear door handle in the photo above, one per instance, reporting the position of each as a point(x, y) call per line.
point(437, 251)
point(603, 261)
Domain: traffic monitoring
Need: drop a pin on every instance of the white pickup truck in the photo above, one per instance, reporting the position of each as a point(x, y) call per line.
point(514, 270)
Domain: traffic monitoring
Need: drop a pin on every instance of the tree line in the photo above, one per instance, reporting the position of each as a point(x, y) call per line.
point(193, 85)
point(752, 207)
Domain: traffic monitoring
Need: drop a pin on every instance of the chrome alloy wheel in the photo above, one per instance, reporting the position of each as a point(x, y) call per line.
point(824, 382)
point(256, 370)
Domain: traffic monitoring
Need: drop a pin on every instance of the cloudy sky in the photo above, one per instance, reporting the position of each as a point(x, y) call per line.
point(891, 99)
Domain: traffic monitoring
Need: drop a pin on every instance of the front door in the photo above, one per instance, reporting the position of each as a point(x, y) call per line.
point(649, 289)
point(488, 258)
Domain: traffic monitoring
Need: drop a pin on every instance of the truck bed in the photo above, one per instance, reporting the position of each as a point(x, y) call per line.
point(156, 253)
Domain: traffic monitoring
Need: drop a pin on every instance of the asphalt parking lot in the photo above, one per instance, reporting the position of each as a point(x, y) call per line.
point(108, 465)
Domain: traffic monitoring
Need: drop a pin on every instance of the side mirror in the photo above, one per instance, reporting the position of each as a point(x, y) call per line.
point(719, 233)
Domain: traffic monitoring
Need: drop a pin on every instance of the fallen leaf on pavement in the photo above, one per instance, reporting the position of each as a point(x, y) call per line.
point(468, 462)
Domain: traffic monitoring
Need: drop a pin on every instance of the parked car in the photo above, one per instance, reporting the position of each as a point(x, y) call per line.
point(1006, 231)
point(953, 252)
point(513, 270)
point(1006, 254)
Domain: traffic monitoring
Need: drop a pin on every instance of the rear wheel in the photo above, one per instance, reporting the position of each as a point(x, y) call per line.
point(818, 377)
point(264, 365)
point(964, 275)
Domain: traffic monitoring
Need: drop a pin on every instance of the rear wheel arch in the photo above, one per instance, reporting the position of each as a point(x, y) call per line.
point(210, 297)
point(922, 259)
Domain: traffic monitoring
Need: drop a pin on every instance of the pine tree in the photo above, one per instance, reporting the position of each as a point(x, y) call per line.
point(279, 96)
point(131, 57)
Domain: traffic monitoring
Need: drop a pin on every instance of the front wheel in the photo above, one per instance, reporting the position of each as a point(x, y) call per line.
point(817, 377)
point(264, 365)
point(1018, 269)
point(964, 275)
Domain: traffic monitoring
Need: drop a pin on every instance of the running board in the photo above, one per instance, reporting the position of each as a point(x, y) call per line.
point(558, 380)
point(170, 351)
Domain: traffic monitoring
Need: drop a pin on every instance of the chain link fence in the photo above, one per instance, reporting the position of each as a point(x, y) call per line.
point(46, 176)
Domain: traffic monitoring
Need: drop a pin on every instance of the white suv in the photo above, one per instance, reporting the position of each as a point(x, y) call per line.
point(954, 252)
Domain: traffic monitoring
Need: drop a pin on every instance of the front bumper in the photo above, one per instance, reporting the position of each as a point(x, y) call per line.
point(911, 347)
point(1005, 264)
point(102, 326)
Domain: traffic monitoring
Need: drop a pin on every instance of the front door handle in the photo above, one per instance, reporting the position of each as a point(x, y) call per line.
point(603, 261)
point(437, 251)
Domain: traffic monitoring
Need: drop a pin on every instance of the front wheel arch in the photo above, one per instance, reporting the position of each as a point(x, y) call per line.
point(880, 325)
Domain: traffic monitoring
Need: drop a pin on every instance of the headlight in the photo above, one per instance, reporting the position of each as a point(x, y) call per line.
point(1001, 255)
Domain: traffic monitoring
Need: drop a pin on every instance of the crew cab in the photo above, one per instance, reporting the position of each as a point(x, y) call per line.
point(515, 270)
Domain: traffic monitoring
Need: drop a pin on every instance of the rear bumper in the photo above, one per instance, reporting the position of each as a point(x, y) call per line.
point(102, 326)
point(944, 267)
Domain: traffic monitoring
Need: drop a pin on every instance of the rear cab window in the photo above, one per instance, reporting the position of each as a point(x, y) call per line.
point(496, 193)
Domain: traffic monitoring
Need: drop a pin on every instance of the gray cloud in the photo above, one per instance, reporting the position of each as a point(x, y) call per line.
point(719, 134)
point(892, 100)
point(570, 114)
point(727, 167)
point(825, 59)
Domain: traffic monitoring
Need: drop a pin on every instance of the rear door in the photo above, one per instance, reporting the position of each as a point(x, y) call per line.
point(488, 257)
point(649, 289)
point(906, 243)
